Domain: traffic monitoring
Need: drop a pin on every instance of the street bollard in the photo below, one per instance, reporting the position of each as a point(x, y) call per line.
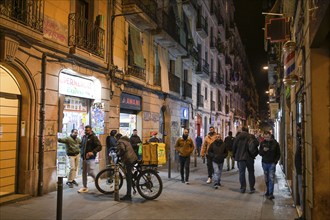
point(59, 198)
point(116, 192)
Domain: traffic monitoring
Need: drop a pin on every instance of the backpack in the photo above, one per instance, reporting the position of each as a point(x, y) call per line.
point(252, 146)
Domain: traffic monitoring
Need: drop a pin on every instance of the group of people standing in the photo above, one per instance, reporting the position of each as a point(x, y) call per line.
point(243, 149)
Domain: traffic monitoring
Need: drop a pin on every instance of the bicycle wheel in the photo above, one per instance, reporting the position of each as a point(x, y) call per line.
point(105, 180)
point(149, 184)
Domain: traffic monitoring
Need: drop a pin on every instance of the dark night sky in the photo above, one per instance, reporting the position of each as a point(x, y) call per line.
point(250, 22)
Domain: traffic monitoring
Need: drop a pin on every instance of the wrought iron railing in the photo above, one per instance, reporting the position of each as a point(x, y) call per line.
point(202, 24)
point(136, 72)
point(147, 6)
point(200, 100)
point(169, 25)
point(86, 35)
point(219, 79)
point(174, 82)
point(187, 89)
point(202, 67)
point(27, 12)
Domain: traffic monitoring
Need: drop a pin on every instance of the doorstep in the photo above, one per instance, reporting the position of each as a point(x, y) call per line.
point(13, 198)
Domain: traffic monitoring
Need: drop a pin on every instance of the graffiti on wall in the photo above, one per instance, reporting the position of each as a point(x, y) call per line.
point(55, 31)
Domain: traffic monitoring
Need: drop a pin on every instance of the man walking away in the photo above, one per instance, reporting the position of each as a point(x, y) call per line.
point(210, 137)
point(72, 144)
point(244, 159)
point(128, 157)
point(185, 146)
point(199, 142)
point(111, 144)
point(229, 141)
point(270, 152)
point(218, 152)
point(135, 141)
point(90, 146)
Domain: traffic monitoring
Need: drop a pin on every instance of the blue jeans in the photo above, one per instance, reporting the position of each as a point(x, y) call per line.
point(184, 166)
point(269, 174)
point(242, 166)
point(217, 172)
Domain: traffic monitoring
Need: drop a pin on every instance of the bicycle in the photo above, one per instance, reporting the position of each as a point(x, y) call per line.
point(145, 179)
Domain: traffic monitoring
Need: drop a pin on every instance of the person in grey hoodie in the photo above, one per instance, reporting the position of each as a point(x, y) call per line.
point(244, 159)
point(128, 157)
point(217, 152)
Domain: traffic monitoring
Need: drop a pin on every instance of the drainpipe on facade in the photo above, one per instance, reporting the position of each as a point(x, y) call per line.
point(41, 142)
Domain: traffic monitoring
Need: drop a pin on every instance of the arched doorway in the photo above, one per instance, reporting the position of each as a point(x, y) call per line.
point(10, 104)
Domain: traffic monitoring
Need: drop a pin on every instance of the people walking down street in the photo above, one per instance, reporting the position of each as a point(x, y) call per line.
point(270, 152)
point(229, 141)
point(244, 159)
point(217, 152)
point(111, 144)
point(210, 137)
point(72, 144)
point(90, 146)
point(128, 157)
point(185, 146)
point(153, 137)
point(135, 140)
point(199, 142)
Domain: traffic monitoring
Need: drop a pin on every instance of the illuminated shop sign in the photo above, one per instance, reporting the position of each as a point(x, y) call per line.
point(184, 113)
point(76, 86)
point(131, 102)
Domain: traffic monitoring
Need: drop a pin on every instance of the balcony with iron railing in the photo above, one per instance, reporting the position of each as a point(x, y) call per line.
point(214, 10)
point(213, 44)
point(227, 109)
point(219, 79)
point(219, 106)
point(141, 13)
point(228, 87)
point(202, 27)
point(29, 12)
point(133, 69)
point(203, 68)
point(170, 35)
point(192, 53)
point(200, 100)
point(213, 77)
point(85, 35)
point(187, 90)
point(174, 83)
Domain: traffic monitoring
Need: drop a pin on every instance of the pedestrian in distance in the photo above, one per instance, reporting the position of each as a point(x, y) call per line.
point(210, 137)
point(217, 152)
point(128, 157)
point(153, 137)
point(184, 146)
point(229, 141)
point(199, 142)
point(90, 146)
point(135, 140)
point(270, 152)
point(72, 147)
point(111, 145)
point(244, 155)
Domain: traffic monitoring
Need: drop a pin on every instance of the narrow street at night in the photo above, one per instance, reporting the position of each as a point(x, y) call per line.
point(197, 200)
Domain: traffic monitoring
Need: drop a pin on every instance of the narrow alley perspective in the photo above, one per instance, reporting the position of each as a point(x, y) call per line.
point(198, 200)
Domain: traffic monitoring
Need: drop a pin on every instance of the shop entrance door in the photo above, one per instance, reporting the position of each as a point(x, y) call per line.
point(127, 124)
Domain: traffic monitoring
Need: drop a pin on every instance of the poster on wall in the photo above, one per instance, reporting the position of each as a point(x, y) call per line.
point(97, 114)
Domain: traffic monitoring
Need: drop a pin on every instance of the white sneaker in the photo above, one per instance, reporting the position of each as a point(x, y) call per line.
point(83, 190)
point(209, 180)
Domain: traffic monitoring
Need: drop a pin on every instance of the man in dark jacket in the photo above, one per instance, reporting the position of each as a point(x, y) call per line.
point(111, 144)
point(229, 141)
point(217, 152)
point(90, 146)
point(135, 141)
point(244, 160)
point(270, 152)
point(128, 157)
point(199, 142)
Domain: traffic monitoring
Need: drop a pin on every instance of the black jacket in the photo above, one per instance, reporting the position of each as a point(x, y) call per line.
point(229, 141)
point(270, 151)
point(111, 143)
point(135, 140)
point(90, 143)
point(217, 151)
point(240, 146)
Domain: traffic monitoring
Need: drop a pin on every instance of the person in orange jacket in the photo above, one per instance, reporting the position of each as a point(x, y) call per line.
point(208, 140)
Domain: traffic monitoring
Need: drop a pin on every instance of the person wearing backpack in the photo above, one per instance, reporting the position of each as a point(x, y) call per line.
point(229, 141)
point(244, 159)
point(270, 152)
point(111, 145)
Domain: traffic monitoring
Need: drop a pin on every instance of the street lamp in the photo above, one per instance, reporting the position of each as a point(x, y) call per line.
point(265, 67)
